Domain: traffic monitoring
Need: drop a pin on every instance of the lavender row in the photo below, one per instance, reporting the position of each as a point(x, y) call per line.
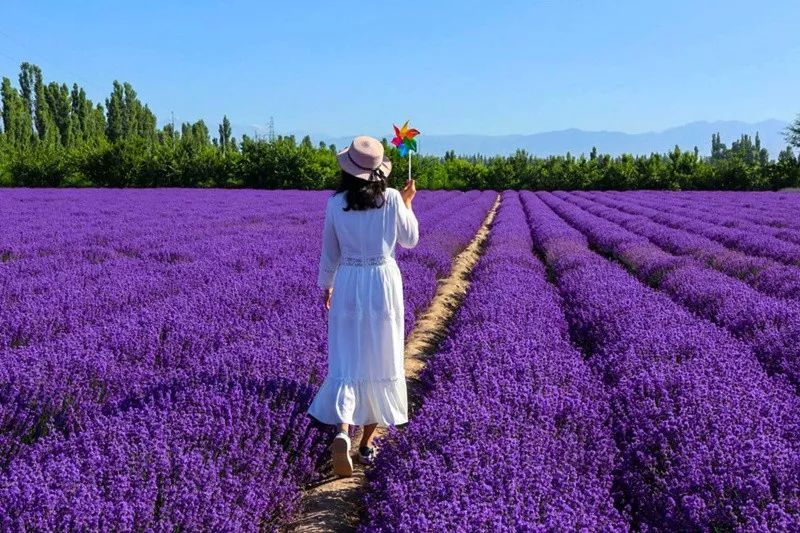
point(749, 241)
point(217, 353)
point(765, 275)
point(707, 441)
point(770, 326)
point(717, 213)
point(513, 431)
point(778, 210)
point(441, 239)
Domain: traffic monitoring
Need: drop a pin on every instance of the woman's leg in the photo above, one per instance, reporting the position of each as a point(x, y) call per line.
point(366, 436)
point(343, 428)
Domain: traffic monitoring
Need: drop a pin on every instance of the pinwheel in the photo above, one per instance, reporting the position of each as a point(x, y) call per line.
point(405, 142)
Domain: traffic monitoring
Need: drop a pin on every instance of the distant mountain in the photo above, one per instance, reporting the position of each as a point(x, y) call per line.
point(579, 141)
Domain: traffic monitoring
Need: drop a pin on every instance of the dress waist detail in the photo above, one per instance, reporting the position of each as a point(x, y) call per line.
point(376, 260)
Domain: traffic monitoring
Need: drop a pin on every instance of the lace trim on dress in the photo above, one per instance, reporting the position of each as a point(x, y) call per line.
point(365, 261)
point(387, 314)
point(355, 381)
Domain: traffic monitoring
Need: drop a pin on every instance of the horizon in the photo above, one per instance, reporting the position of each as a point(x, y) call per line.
point(297, 133)
point(453, 69)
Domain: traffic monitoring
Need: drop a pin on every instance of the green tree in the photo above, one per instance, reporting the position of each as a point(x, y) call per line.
point(78, 113)
point(717, 147)
point(786, 171)
point(147, 124)
point(131, 111)
point(60, 107)
point(194, 135)
point(45, 126)
point(225, 140)
point(27, 79)
point(792, 133)
point(96, 126)
point(16, 118)
point(115, 112)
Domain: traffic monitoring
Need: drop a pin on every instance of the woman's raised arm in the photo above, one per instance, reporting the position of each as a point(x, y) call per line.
point(407, 226)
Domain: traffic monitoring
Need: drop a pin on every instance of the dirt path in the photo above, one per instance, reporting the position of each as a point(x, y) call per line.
point(332, 504)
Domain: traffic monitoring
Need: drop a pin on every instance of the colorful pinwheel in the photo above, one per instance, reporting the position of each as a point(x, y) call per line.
point(404, 139)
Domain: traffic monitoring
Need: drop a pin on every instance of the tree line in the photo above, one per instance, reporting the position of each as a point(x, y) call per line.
point(55, 136)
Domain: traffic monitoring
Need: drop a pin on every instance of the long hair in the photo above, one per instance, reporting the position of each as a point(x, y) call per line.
point(361, 194)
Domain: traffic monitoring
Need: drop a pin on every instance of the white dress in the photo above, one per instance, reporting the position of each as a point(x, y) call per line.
point(366, 382)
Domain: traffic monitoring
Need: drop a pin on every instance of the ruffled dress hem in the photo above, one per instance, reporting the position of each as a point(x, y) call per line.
point(360, 402)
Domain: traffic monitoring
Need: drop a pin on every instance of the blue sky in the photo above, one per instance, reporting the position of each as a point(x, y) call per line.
point(342, 68)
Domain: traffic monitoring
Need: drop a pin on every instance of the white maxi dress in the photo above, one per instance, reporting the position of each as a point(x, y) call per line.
point(366, 381)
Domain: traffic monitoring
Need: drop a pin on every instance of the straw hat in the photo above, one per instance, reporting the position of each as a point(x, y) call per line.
point(365, 160)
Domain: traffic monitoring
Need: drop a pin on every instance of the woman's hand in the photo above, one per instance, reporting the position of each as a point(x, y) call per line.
point(326, 298)
point(408, 192)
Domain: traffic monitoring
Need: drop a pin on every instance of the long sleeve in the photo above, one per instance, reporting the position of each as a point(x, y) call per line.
point(329, 259)
point(407, 226)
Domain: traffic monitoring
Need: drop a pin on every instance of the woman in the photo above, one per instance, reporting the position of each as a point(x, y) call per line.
point(364, 220)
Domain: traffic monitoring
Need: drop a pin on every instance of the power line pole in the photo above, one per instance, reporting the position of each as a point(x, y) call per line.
point(271, 129)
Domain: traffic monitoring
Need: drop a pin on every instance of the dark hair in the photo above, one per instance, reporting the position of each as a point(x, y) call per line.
point(361, 194)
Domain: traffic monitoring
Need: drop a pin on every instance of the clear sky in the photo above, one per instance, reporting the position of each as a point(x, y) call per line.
point(495, 67)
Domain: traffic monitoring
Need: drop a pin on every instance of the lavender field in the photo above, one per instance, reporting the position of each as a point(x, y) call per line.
point(159, 349)
point(621, 361)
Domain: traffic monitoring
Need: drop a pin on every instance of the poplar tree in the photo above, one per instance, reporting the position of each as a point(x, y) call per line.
point(45, 126)
point(127, 117)
point(58, 102)
point(225, 134)
point(132, 111)
point(194, 135)
point(115, 111)
point(27, 78)
point(16, 118)
point(200, 133)
point(96, 124)
point(147, 123)
point(6, 97)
